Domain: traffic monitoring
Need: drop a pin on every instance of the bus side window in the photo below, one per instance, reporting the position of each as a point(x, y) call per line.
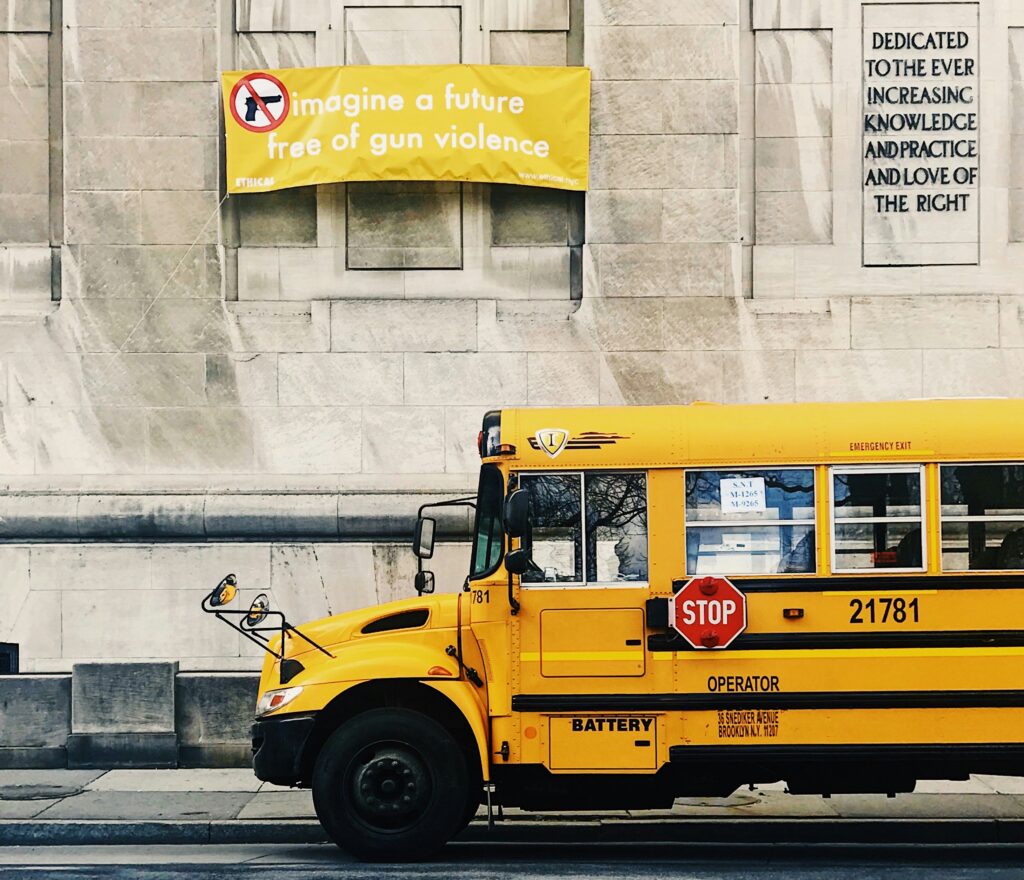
point(982, 516)
point(588, 528)
point(878, 518)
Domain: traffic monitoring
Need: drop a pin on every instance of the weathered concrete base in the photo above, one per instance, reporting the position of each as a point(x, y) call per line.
point(215, 755)
point(52, 758)
point(88, 751)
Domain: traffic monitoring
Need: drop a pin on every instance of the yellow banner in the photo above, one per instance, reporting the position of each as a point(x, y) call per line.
point(484, 123)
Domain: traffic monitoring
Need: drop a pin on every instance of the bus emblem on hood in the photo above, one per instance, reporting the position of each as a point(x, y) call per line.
point(552, 440)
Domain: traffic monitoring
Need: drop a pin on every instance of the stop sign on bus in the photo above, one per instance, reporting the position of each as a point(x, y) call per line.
point(709, 612)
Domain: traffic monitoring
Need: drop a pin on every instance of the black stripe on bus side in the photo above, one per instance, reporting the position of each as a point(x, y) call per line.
point(875, 582)
point(1000, 699)
point(987, 638)
point(873, 752)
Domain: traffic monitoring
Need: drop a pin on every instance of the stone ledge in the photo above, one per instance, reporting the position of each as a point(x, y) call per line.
point(218, 516)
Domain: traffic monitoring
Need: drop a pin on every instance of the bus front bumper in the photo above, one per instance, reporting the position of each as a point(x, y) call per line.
point(277, 747)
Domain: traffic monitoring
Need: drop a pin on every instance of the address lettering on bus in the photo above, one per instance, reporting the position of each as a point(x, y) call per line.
point(749, 723)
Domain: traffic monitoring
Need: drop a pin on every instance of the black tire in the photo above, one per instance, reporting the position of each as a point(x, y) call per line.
point(391, 785)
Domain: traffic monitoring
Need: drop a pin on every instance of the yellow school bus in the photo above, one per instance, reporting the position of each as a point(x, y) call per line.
point(876, 550)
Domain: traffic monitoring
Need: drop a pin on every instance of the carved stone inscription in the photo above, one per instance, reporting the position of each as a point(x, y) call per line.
point(921, 147)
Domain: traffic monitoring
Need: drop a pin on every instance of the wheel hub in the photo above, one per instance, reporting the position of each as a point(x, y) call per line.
point(390, 786)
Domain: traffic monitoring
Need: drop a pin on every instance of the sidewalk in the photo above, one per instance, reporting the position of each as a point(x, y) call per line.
point(232, 806)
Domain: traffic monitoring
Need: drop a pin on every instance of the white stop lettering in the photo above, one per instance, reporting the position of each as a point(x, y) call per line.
point(708, 611)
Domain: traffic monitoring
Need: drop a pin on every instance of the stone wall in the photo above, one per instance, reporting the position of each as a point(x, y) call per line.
point(209, 379)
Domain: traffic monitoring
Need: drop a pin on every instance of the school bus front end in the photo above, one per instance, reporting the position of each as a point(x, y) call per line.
point(670, 601)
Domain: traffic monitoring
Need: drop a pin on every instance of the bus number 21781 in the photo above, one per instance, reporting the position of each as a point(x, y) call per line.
point(884, 609)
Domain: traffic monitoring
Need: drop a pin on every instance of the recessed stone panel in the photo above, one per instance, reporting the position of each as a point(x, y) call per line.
point(921, 134)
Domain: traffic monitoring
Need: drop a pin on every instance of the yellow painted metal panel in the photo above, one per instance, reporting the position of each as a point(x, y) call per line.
point(591, 642)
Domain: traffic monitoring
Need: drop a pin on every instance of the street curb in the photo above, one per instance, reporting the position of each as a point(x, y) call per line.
point(75, 832)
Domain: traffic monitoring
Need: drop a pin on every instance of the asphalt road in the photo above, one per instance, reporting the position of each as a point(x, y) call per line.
point(490, 861)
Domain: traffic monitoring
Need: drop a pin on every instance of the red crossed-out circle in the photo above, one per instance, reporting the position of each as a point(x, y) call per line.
point(248, 82)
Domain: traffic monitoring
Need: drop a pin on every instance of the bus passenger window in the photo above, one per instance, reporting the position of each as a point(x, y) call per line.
point(877, 518)
point(750, 521)
point(557, 528)
point(588, 528)
point(982, 517)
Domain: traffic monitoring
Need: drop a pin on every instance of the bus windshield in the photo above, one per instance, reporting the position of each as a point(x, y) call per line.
point(488, 538)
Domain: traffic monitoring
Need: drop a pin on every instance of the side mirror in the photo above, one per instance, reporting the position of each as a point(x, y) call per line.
point(518, 561)
point(423, 539)
point(258, 610)
point(424, 582)
point(224, 592)
point(517, 513)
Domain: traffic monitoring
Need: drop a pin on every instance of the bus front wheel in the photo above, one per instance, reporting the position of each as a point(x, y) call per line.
point(390, 785)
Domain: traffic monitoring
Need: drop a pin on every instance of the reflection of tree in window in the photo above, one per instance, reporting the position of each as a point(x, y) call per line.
point(556, 521)
point(994, 492)
point(617, 516)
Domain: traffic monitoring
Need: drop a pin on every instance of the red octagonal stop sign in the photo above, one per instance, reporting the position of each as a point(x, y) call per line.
point(709, 612)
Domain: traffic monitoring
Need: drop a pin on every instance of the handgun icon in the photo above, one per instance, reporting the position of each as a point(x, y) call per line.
point(251, 106)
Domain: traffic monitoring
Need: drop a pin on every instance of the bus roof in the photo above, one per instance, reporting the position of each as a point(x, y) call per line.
point(967, 429)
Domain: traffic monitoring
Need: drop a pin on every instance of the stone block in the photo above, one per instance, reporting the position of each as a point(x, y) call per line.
point(102, 217)
point(650, 377)
point(793, 110)
point(82, 567)
point(663, 162)
point(519, 47)
point(139, 379)
point(261, 51)
point(797, 56)
point(259, 273)
point(709, 107)
point(178, 217)
point(30, 273)
point(407, 440)
point(1011, 322)
point(461, 426)
point(133, 271)
point(105, 14)
point(974, 373)
point(649, 270)
point(925, 322)
point(122, 697)
point(178, 109)
point(404, 225)
point(175, 13)
point(793, 164)
point(102, 109)
point(24, 218)
point(14, 586)
point(26, 167)
point(759, 377)
point(490, 379)
point(624, 216)
point(627, 324)
point(197, 441)
point(403, 325)
point(117, 55)
point(25, 16)
point(531, 326)
point(213, 714)
point(241, 379)
point(181, 325)
point(390, 35)
point(28, 61)
point(286, 217)
point(35, 715)
point(90, 441)
point(563, 379)
point(307, 440)
point(700, 215)
point(658, 12)
point(717, 323)
point(528, 15)
point(664, 52)
point(340, 379)
point(794, 217)
point(310, 581)
point(285, 327)
point(858, 375)
point(24, 111)
point(524, 215)
point(37, 631)
point(774, 268)
point(198, 567)
point(101, 750)
point(274, 16)
point(36, 517)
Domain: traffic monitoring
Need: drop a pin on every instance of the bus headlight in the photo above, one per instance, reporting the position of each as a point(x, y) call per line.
point(271, 701)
